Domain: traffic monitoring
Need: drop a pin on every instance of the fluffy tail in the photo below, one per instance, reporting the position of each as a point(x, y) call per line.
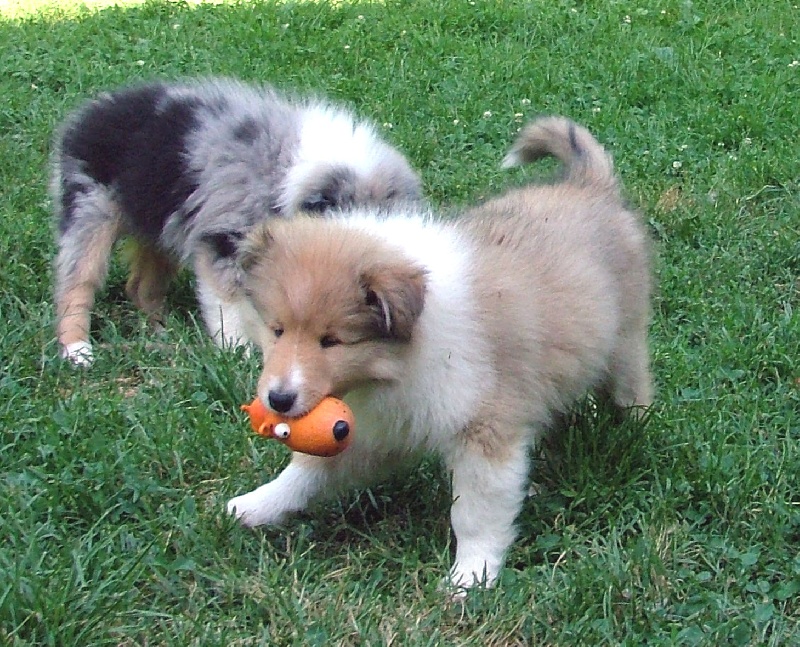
point(584, 159)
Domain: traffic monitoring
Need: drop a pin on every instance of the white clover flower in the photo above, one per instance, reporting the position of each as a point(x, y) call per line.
point(526, 102)
point(627, 20)
point(487, 114)
point(676, 164)
point(386, 124)
point(455, 122)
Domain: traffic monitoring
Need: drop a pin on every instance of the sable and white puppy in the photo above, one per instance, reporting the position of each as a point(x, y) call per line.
point(465, 337)
point(185, 170)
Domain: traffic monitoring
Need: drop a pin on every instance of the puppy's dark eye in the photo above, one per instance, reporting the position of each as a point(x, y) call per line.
point(278, 330)
point(327, 341)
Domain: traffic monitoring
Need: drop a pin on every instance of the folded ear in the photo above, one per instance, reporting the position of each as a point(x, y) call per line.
point(254, 247)
point(395, 293)
point(329, 189)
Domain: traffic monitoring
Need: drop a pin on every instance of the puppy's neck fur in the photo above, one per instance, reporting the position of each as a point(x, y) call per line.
point(442, 377)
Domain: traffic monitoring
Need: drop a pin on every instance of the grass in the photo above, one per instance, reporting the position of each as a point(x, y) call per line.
point(684, 531)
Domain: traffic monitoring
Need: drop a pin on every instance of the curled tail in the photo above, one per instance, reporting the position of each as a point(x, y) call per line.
point(584, 159)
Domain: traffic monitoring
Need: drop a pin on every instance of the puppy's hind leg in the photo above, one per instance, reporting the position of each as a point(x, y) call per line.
point(150, 274)
point(84, 250)
point(490, 472)
point(630, 385)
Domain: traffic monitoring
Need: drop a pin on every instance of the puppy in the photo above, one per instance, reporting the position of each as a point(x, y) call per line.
point(462, 336)
point(185, 170)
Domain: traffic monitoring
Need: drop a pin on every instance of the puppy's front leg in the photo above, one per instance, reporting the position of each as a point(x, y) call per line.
point(225, 312)
point(488, 491)
point(303, 480)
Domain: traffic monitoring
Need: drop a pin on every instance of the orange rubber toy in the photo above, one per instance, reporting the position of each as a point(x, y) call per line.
point(326, 430)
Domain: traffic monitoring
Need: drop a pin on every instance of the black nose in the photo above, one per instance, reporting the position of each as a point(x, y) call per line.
point(281, 401)
point(340, 430)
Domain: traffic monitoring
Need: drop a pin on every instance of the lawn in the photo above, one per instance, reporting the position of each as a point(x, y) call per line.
point(683, 530)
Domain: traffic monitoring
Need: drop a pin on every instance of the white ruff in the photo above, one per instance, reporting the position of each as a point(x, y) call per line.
point(330, 137)
point(448, 366)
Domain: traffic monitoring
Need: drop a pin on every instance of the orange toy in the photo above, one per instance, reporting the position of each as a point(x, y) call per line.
point(326, 430)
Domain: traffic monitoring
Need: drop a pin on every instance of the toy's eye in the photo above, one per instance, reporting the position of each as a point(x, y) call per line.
point(282, 431)
point(327, 341)
point(340, 430)
point(278, 330)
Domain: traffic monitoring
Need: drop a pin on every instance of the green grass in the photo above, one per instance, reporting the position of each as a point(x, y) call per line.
point(682, 532)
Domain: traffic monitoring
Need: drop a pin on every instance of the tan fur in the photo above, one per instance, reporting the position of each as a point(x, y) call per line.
point(79, 278)
point(312, 286)
point(472, 344)
point(148, 282)
point(73, 309)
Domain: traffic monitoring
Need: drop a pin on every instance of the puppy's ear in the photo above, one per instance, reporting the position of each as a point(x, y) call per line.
point(320, 201)
point(395, 294)
point(224, 244)
point(254, 247)
point(332, 189)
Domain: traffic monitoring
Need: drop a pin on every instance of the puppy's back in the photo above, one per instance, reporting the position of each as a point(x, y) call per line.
point(561, 270)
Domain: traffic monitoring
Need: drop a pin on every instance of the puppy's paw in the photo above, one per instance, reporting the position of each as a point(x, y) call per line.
point(241, 508)
point(252, 510)
point(79, 353)
point(456, 586)
point(465, 576)
point(451, 592)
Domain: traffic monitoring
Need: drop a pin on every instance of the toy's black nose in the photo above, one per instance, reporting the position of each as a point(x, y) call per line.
point(340, 430)
point(281, 401)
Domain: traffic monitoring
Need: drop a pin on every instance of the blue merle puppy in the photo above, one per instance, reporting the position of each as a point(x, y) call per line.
point(185, 170)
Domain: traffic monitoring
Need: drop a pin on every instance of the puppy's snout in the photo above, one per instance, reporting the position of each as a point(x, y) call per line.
point(281, 401)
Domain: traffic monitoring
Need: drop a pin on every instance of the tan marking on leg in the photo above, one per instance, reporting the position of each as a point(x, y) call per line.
point(73, 310)
point(150, 274)
point(78, 280)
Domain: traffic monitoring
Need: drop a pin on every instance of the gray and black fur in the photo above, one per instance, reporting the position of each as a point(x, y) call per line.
point(185, 170)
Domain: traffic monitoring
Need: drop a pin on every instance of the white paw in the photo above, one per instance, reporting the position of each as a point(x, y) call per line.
point(251, 510)
point(79, 353)
point(238, 507)
point(457, 585)
point(464, 576)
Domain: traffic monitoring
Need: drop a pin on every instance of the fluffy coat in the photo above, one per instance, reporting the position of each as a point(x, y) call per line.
point(185, 170)
point(463, 336)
